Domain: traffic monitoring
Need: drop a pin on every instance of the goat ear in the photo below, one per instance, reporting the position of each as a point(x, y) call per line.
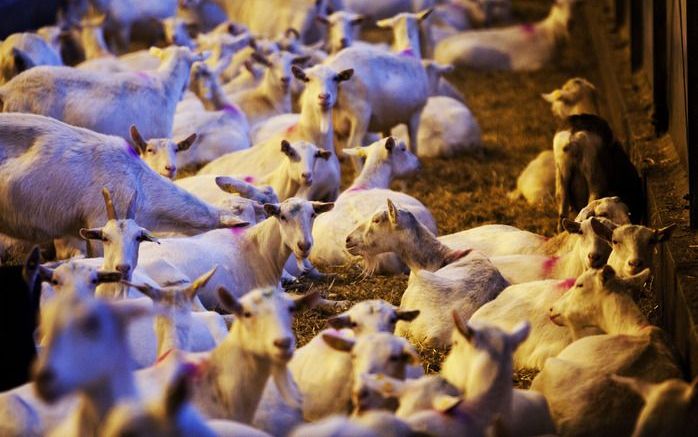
point(260, 58)
point(104, 277)
point(392, 212)
point(201, 281)
point(230, 185)
point(344, 75)
point(551, 97)
point(288, 150)
point(299, 73)
point(423, 15)
point(410, 356)
point(338, 343)
point(445, 404)
point(300, 60)
point(91, 234)
point(571, 226)
point(322, 19)
point(357, 20)
point(45, 273)
point(339, 322)
point(389, 144)
point(607, 274)
point(637, 385)
point(127, 311)
point(359, 152)
point(138, 140)
point(637, 281)
point(272, 210)
point(520, 334)
point(229, 302)
point(387, 386)
point(147, 236)
point(147, 289)
point(455, 255)
point(177, 395)
point(601, 229)
point(307, 301)
point(663, 234)
point(320, 207)
point(186, 143)
point(22, 61)
point(323, 154)
point(462, 327)
point(406, 315)
point(385, 23)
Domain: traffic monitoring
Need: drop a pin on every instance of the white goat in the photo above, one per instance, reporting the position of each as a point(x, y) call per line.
point(536, 183)
point(577, 96)
point(22, 51)
point(342, 30)
point(266, 247)
point(407, 35)
point(386, 160)
point(387, 8)
point(375, 102)
point(670, 406)
point(369, 424)
point(525, 47)
point(85, 159)
point(489, 349)
point(630, 346)
point(161, 153)
point(315, 126)
point(122, 98)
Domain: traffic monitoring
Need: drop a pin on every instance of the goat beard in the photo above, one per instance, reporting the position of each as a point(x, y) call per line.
point(325, 120)
point(286, 385)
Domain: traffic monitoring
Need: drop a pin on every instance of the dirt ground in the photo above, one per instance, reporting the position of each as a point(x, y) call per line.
point(468, 191)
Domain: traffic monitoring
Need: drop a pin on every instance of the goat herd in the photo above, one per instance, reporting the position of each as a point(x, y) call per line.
point(163, 312)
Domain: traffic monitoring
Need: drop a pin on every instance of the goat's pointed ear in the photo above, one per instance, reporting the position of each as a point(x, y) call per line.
point(22, 60)
point(385, 23)
point(138, 140)
point(272, 210)
point(601, 229)
point(320, 207)
point(186, 143)
point(638, 386)
point(357, 20)
point(147, 236)
point(300, 60)
point(571, 226)
point(445, 404)
point(147, 289)
point(423, 15)
point(229, 303)
point(639, 280)
point(126, 311)
point(340, 321)
point(200, 282)
point(462, 327)
point(177, 395)
point(299, 74)
point(288, 150)
point(307, 301)
point(663, 234)
point(337, 342)
point(607, 274)
point(389, 144)
point(406, 315)
point(322, 19)
point(359, 152)
point(45, 273)
point(323, 154)
point(551, 97)
point(344, 75)
point(91, 234)
point(392, 212)
point(104, 277)
point(261, 59)
point(230, 185)
point(519, 334)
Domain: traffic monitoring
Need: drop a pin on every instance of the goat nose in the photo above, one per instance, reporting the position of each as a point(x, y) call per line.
point(323, 96)
point(348, 240)
point(283, 343)
point(285, 80)
point(304, 246)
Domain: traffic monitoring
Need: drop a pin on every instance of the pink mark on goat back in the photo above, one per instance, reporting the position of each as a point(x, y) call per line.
point(249, 179)
point(231, 109)
point(130, 150)
point(528, 28)
point(238, 230)
point(355, 188)
point(291, 128)
point(549, 265)
point(566, 284)
point(407, 52)
point(143, 75)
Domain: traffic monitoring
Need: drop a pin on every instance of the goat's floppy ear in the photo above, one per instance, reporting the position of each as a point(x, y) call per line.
point(91, 234)
point(45, 273)
point(229, 302)
point(186, 143)
point(571, 226)
point(307, 301)
point(299, 73)
point(320, 207)
point(147, 236)
point(601, 229)
point(663, 234)
point(272, 210)
point(406, 315)
point(138, 140)
point(338, 343)
point(344, 75)
point(462, 327)
point(423, 15)
point(551, 96)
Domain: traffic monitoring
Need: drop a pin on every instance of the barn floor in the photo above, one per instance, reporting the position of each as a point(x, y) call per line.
point(468, 191)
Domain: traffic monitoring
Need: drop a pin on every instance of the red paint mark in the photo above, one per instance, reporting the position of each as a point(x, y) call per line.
point(248, 179)
point(354, 188)
point(528, 29)
point(231, 109)
point(407, 52)
point(195, 370)
point(238, 230)
point(549, 265)
point(291, 128)
point(162, 357)
point(566, 284)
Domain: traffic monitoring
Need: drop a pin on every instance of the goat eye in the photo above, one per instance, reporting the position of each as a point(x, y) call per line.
point(615, 241)
point(394, 358)
point(376, 220)
point(292, 309)
point(95, 281)
point(54, 282)
point(247, 314)
point(282, 217)
point(579, 285)
point(150, 151)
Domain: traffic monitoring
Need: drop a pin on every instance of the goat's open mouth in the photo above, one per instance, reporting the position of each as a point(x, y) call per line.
point(555, 318)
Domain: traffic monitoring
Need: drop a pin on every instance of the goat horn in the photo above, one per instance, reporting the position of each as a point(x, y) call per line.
point(111, 212)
